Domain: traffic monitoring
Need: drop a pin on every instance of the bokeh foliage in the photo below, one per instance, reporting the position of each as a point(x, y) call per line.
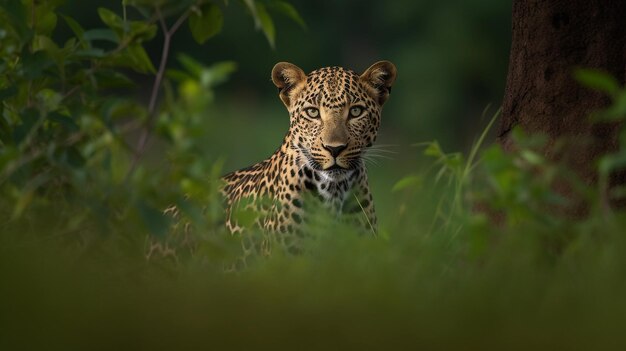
point(71, 117)
point(472, 251)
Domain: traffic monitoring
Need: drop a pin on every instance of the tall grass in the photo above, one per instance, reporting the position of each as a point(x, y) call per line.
point(443, 275)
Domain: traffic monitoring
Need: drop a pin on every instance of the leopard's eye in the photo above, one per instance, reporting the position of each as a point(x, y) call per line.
point(356, 111)
point(312, 112)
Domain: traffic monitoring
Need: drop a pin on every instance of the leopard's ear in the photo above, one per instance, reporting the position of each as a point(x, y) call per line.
point(289, 79)
point(378, 80)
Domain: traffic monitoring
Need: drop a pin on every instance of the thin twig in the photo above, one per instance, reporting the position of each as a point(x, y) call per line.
point(179, 22)
point(167, 36)
point(156, 87)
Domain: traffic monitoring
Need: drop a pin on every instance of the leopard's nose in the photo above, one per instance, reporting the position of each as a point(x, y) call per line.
point(335, 150)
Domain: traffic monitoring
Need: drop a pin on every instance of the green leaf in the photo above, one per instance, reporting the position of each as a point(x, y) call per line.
point(454, 161)
point(251, 5)
point(597, 80)
point(66, 122)
point(58, 55)
point(208, 76)
point(133, 57)
point(140, 61)
point(17, 16)
point(46, 19)
point(494, 159)
point(615, 112)
point(101, 34)
point(138, 31)
point(142, 31)
point(217, 73)
point(112, 20)
point(413, 181)
point(49, 99)
point(532, 157)
point(206, 22)
point(191, 65)
point(76, 28)
point(90, 53)
point(288, 10)
point(116, 108)
point(34, 64)
point(433, 149)
point(267, 24)
point(611, 163)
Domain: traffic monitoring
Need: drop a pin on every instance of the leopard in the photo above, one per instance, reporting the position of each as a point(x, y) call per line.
point(334, 117)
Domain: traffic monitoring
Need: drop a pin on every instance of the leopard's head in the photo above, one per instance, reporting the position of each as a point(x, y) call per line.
point(334, 112)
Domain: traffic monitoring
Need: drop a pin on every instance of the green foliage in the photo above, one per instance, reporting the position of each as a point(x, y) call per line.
point(288, 10)
point(614, 162)
point(597, 80)
point(70, 115)
point(69, 110)
point(205, 22)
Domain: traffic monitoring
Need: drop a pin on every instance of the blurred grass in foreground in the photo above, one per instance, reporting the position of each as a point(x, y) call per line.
point(440, 275)
point(347, 291)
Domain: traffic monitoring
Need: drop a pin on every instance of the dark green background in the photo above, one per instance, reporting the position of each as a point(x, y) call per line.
point(451, 57)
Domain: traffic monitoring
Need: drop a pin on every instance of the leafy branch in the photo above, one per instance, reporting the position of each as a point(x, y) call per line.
point(156, 87)
point(66, 110)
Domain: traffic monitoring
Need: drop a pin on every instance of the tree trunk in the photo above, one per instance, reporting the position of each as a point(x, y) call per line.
point(550, 39)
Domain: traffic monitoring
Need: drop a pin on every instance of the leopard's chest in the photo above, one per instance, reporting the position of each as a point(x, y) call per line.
point(331, 188)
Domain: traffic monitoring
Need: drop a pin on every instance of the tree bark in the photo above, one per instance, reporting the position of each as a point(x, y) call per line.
point(550, 38)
